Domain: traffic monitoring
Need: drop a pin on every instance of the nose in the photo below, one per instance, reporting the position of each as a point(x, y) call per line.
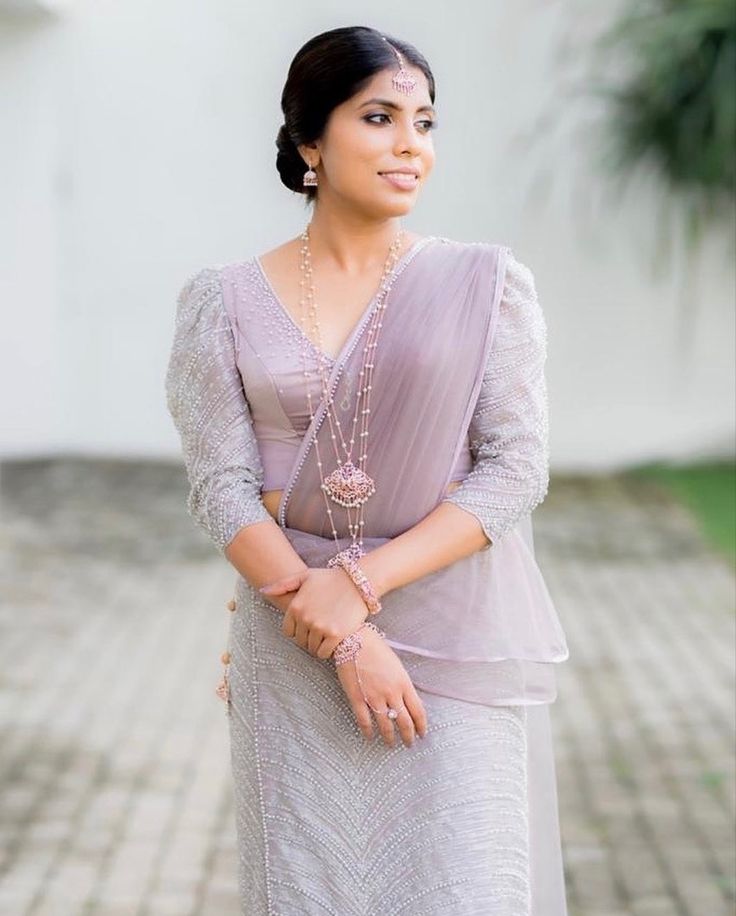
point(407, 140)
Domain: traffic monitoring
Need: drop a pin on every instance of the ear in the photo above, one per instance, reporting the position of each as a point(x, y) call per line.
point(309, 153)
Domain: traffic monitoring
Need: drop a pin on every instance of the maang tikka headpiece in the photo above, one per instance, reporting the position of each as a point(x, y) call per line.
point(402, 80)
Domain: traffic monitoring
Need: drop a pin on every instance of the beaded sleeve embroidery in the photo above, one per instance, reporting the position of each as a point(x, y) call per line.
point(509, 426)
point(205, 398)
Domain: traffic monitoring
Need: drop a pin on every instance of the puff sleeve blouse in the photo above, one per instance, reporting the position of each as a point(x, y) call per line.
point(205, 398)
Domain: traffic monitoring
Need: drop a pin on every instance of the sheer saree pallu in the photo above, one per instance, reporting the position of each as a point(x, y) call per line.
point(483, 629)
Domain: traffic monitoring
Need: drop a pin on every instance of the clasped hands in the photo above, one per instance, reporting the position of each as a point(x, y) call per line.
point(326, 607)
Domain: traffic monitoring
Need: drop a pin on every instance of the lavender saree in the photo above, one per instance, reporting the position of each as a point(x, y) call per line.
point(465, 821)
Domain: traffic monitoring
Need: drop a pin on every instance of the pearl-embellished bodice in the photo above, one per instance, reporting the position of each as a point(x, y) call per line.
point(271, 350)
point(233, 337)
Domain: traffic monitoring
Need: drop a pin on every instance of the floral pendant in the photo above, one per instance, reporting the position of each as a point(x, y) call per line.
point(348, 486)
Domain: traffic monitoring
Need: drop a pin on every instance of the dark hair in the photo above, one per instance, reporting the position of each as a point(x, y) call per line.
point(329, 69)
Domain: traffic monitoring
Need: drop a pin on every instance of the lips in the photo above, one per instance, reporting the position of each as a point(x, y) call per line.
point(402, 180)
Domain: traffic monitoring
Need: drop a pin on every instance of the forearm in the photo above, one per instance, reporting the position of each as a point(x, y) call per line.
point(262, 553)
point(447, 534)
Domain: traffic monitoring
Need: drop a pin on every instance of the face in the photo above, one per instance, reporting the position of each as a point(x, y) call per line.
point(364, 139)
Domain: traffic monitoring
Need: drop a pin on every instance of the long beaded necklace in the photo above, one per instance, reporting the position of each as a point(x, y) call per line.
point(348, 485)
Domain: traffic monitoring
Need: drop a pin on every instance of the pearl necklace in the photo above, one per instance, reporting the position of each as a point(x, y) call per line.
point(348, 485)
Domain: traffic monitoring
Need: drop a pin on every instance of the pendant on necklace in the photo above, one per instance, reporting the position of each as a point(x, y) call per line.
point(348, 486)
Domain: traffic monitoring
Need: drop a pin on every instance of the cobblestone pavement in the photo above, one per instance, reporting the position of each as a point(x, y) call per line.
point(115, 795)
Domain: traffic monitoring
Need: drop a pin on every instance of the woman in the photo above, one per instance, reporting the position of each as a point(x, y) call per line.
point(363, 417)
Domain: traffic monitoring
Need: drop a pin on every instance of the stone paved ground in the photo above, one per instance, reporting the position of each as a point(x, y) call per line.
point(114, 761)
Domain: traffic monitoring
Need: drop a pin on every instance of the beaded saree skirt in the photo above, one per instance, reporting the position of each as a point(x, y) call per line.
point(463, 823)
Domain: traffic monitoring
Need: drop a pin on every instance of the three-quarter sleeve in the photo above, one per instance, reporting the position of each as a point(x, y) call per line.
point(206, 400)
point(509, 428)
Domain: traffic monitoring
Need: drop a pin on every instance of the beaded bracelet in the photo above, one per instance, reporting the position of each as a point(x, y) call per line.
point(348, 648)
point(347, 561)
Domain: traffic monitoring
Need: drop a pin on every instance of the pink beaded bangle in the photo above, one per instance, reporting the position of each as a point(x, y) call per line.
point(348, 562)
point(348, 648)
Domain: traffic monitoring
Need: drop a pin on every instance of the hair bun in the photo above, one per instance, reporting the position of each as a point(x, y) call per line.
point(291, 167)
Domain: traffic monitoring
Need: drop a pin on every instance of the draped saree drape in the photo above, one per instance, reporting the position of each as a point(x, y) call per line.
point(483, 629)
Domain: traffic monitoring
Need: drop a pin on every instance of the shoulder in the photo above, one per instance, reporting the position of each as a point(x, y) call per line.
point(460, 245)
point(519, 282)
point(518, 275)
point(521, 316)
point(509, 252)
point(202, 279)
point(469, 250)
point(199, 299)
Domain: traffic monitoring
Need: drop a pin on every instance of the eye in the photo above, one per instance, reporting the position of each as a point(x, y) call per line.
point(428, 123)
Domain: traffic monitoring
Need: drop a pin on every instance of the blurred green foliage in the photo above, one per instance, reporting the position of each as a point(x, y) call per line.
point(675, 107)
point(709, 490)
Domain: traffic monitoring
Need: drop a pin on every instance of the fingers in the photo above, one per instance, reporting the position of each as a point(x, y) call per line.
point(406, 722)
point(416, 710)
point(288, 625)
point(273, 588)
point(301, 636)
point(363, 718)
point(311, 640)
point(403, 721)
point(314, 641)
point(411, 720)
point(349, 682)
point(282, 586)
point(327, 647)
point(385, 725)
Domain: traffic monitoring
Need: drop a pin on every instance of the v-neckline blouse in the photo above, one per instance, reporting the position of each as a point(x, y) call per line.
point(268, 342)
point(359, 324)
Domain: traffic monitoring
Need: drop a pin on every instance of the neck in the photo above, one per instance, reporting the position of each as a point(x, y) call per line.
point(352, 245)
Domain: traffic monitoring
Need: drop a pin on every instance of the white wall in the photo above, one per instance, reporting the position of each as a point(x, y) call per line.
point(138, 146)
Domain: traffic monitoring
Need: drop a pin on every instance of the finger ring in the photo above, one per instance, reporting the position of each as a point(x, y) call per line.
point(391, 713)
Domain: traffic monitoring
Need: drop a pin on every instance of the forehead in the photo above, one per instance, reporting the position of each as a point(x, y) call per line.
point(380, 86)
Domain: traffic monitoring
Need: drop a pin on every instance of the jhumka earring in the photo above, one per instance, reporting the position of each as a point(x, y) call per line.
point(310, 178)
point(402, 80)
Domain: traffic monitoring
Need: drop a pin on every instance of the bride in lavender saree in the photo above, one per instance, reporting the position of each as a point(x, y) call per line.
point(465, 821)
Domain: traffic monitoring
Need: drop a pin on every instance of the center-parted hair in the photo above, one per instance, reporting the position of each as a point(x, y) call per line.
point(326, 71)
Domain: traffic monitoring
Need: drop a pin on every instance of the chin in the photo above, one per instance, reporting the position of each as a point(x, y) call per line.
point(387, 207)
point(399, 207)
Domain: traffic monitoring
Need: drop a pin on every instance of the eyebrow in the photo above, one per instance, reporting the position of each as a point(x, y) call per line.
point(389, 104)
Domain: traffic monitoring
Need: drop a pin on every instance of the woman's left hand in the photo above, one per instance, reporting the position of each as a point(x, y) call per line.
point(325, 609)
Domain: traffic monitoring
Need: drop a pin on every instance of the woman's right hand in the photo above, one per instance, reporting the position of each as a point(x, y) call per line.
point(385, 683)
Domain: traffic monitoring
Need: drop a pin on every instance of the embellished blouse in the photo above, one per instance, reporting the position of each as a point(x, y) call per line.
point(272, 353)
point(238, 427)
